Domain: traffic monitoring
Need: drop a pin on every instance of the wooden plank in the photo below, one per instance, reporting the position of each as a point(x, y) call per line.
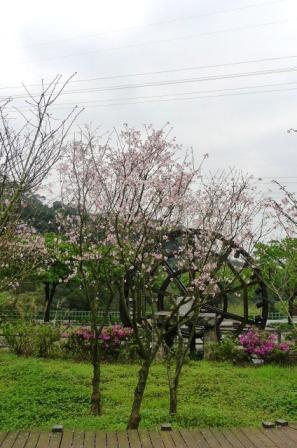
point(43, 440)
point(188, 438)
point(222, 441)
point(123, 441)
point(21, 439)
point(264, 437)
point(167, 439)
point(234, 441)
point(111, 440)
point(209, 437)
point(178, 439)
point(3, 435)
point(89, 441)
point(9, 440)
point(78, 439)
point(279, 438)
point(199, 439)
point(243, 440)
point(55, 439)
point(33, 439)
point(100, 439)
point(134, 439)
point(291, 433)
point(67, 438)
point(145, 440)
point(256, 441)
point(156, 440)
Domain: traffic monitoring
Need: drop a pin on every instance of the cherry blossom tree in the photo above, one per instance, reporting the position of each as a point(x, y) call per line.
point(285, 211)
point(150, 195)
point(84, 183)
point(281, 254)
point(227, 221)
point(29, 149)
point(132, 194)
point(128, 193)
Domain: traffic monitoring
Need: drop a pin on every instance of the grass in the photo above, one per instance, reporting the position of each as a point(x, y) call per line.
point(37, 393)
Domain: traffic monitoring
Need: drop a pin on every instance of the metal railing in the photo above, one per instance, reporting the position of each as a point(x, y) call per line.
point(65, 316)
point(84, 317)
point(276, 315)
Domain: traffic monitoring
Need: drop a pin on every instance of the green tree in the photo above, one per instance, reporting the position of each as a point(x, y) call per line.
point(58, 268)
point(278, 261)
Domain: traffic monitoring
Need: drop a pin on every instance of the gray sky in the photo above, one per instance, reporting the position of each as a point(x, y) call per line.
point(100, 39)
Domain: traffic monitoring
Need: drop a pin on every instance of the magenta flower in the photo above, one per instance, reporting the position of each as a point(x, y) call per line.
point(261, 344)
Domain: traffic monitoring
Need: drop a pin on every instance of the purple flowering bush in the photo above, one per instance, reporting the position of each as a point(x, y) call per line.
point(264, 345)
point(114, 340)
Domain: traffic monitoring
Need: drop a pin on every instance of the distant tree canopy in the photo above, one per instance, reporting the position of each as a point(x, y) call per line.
point(38, 214)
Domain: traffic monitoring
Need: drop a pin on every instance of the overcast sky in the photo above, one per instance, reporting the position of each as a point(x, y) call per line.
point(110, 39)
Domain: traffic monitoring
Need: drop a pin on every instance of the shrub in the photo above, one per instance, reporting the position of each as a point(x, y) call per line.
point(116, 342)
point(46, 337)
point(19, 337)
point(228, 350)
point(28, 339)
point(278, 356)
point(264, 345)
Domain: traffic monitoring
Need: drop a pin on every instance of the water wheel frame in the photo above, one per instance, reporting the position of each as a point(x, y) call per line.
point(210, 306)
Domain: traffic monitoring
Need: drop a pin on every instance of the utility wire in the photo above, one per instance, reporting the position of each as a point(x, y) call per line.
point(159, 72)
point(170, 82)
point(162, 41)
point(164, 95)
point(184, 99)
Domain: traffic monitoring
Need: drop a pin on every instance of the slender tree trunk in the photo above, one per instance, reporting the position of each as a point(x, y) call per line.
point(173, 381)
point(96, 405)
point(49, 292)
point(291, 310)
point(135, 416)
point(173, 388)
point(180, 355)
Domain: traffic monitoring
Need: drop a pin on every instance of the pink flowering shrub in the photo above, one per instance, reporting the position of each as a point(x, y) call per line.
point(263, 345)
point(113, 339)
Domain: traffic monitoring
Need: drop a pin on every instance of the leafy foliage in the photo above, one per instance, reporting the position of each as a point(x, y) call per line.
point(278, 261)
point(31, 339)
point(228, 350)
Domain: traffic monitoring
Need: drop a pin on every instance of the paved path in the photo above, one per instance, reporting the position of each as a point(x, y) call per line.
point(202, 438)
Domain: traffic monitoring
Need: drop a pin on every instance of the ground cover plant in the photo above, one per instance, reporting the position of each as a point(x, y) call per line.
point(37, 393)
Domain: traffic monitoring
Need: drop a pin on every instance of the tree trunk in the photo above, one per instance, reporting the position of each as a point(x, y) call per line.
point(291, 310)
point(173, 388)
point(49, 292)
point(135, 416)
point(96, 406)
point(173, 380)
point(124, 303)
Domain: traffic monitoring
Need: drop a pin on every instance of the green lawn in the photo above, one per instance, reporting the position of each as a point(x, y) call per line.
point(37, 393)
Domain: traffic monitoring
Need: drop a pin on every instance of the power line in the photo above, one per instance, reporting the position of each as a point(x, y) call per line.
point(164, 95)
point(171, 82)
point(158, 23)
point(185, 99)
point(159, 72)
point(162, 41)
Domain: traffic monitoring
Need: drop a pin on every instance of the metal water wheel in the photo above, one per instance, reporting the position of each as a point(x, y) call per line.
point(244, 281)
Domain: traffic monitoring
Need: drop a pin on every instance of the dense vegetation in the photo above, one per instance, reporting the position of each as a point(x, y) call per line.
point(36, 394)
